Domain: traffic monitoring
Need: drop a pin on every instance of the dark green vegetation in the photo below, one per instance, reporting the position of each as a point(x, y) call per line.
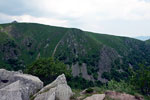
point(148, 42)
point(141, 80)
point(138, 83)
point(48, 69)
point(89, 55)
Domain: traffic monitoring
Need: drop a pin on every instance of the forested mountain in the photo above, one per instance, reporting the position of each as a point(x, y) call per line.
point(90, 55)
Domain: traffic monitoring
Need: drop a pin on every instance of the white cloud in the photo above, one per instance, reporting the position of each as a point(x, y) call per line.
point(28, 18)
point(100, 9)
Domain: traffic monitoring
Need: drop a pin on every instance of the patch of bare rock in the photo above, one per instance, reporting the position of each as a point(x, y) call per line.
point(113, 96)
point(96, 97)
point(122, 96)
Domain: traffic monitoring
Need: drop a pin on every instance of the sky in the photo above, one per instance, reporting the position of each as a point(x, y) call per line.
point(117, 17)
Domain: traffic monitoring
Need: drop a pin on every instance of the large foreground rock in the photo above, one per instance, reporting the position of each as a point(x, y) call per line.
point(18, 86)
point(14, 91)
point(96, 97)
point(57, 90)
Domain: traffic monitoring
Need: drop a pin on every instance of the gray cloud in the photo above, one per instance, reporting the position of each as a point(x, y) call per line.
point(127, 18)
point(13, 7)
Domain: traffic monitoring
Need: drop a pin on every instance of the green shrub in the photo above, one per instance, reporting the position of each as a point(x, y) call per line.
point(121, 86)
point(95, 75)
point(79, 83)
point(47, 69)
point(89, 90)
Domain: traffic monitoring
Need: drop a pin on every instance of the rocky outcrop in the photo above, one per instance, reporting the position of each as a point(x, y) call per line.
point(57, 90)
point(107, 56)
point(78, 70)
point(122, 96)
point(108, 95)
point(18, 86)
point(96, 97)
point(15, 91)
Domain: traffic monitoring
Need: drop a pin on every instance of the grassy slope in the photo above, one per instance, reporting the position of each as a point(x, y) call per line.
point(77, 42)
point(4, 39)
point(38, 35)
point(116, 42)
point(148, 41)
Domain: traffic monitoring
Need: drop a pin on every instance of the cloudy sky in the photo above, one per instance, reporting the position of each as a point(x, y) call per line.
point(117, 17)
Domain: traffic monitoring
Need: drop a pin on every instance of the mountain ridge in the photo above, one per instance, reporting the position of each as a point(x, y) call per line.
point(90, 55)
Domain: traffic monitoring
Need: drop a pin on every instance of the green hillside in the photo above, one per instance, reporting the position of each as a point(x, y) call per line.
point(89, 55)
point(148, 41)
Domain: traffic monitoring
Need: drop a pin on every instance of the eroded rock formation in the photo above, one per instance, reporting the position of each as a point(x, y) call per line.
point(57, 90)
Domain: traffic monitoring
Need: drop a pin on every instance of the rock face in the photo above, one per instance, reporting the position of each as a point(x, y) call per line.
point(112, 95)
point(107, 56)
point(57, 90)
point(96, 97)
point(18, 86)
point(14, 91)
point(122, 96)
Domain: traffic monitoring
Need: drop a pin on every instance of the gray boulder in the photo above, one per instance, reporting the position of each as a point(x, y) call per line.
point(18, 86)
point(96, 97)
point(33, 83)
point(14, 91)
point(63, 92)
point(6, 77)
point(46, 95)
point(122, 96)
point(57, 90)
